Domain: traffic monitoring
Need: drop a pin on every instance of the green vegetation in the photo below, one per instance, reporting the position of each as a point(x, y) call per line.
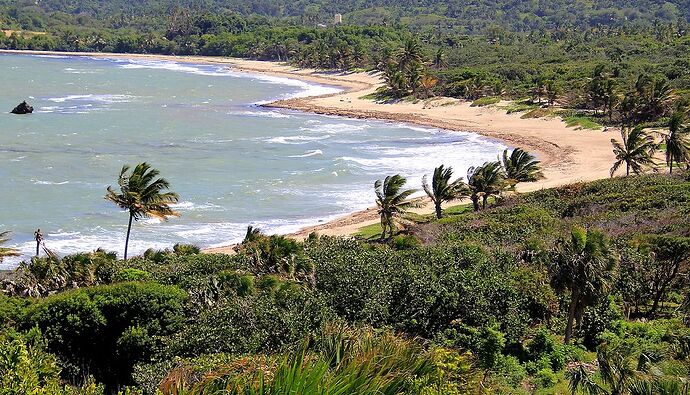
point(535, 293)
point(486, 101)
point(609, 62)
point(141, 195)
point(577, 289)
point(442, 189)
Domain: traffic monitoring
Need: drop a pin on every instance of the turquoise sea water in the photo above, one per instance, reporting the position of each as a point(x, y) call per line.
point(232, 162)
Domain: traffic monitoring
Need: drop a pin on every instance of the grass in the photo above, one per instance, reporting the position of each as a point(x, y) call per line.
point(520, 106)
point(538, 113)
point(369, 232)
point(485, 101)
point(582, 122)
point(373, 231)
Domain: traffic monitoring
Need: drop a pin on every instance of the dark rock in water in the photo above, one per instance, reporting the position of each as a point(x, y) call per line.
point(23, 108)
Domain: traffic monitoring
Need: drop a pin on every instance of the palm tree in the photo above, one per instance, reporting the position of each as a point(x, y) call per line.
point(636, 151)
point(621, 370)
point(582, 265)
point(392, 201)
point(442, 189)
point(677, 141)
point(4, 251)
point(440, 59)
point(485, 181)
point(141, 195)
point(520, 166)
point(411, 53)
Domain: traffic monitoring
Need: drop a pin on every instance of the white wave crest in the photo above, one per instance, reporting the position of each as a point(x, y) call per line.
point(308, 154)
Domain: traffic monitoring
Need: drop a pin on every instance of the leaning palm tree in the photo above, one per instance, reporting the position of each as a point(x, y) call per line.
point(636, 150)
point(520, 166)
point(392, 202)
point(485, 181)
point(141, 195)
point(4, 251)
point(442, 189)
point(677, 141)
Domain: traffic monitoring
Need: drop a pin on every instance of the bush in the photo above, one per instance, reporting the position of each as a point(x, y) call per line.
point(405, 242)
point(105, 330)
point(545, 378)
point(264, 322)
point(132, 274)
point(12, 309)
point(25, 366)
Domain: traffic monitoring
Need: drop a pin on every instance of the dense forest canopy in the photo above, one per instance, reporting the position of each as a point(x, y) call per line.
point(472, 16)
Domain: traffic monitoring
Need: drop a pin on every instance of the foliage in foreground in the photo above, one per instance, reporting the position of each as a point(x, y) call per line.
point(483, 297)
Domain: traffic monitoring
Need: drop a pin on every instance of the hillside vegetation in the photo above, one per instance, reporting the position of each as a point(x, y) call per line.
point(477, 302)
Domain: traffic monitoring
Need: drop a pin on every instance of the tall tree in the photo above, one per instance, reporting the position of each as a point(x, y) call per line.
point(442, 189)
point(520, 166)
point(410, 54)
point(677, 141)
point(4, 251)
point(671, 257)
point(392, 201)
point(636, 150)
point(485, 181)
point(142, 195)
point(582, 265)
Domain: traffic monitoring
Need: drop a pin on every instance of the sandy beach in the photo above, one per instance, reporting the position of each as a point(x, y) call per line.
point(568, 155)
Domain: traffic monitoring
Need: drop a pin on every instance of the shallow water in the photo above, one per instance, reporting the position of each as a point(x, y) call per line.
point(233, 163)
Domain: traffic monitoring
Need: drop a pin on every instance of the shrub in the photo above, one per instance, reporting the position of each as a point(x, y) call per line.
point(25, 366)
point(105, 330)
point(545, 378)
point(131, 274)
point(405, 242)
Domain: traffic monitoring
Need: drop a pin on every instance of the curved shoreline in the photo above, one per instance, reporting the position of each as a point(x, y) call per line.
point(567, 155)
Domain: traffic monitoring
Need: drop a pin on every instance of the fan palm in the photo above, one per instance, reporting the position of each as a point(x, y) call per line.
point(442, 189)
point(485, 181)
point(392, 202)
point(677, 141)
point(582, 265)
point(636, 150)
point(141, 195)
point(4, 251)
point(520, 166)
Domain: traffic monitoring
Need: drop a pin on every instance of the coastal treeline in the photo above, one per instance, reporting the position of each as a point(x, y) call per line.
point(575, 289)
point(584, 68)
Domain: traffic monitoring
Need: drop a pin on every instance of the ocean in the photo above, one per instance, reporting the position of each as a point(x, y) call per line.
point(233, 162)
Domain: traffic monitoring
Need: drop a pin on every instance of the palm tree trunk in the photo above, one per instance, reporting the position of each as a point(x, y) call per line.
point(670, 168)
point(627, 169)
point(574, 297)
point(439, 212)
point(38, 247)
point(475, 202)
point(484, 199)
point(129, 229)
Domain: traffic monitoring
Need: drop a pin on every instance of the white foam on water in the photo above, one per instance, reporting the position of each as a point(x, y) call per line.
point(94, 98)
point(266, 114)
point(306, 89)
point(52, 56)
point(308, 154)
point(295, 140)
point(41, 182)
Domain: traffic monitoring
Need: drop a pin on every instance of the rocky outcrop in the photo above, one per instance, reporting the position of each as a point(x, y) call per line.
point(22, 108)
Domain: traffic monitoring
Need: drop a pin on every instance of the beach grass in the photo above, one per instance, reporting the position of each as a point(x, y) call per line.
point(486, 101)
point(579, 122)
